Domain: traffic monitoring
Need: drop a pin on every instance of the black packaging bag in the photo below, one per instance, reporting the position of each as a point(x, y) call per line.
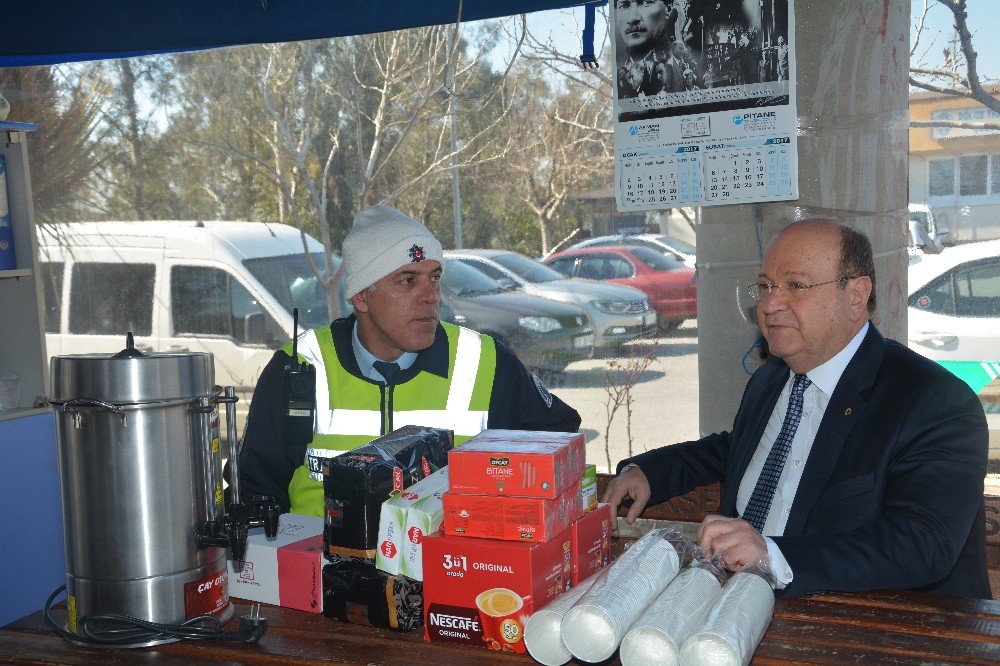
point(356, 483)
point(355, 591)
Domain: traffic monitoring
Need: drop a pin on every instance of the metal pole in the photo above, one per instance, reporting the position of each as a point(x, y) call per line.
point(234, 451)
point(456, 187)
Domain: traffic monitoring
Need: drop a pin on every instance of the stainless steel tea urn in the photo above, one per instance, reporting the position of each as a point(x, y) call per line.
point(141, 476)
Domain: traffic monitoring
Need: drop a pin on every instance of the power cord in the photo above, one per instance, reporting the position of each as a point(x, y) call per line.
point(110, 629)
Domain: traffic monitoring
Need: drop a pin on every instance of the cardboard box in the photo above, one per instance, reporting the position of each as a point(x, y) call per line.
point(511, 518)
point(357, 482)
point(480, 592)
point(286, 571)
point(423, 518)
point(588, 488)
point(394, 533)
point(518, 463)
point(591, 538)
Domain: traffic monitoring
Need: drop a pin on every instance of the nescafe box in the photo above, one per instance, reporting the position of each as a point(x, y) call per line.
point(480, 592)
point(591, 535)
point(518, 463)
point(511, 518)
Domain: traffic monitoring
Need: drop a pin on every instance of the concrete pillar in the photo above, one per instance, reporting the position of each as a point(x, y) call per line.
point(852, 63)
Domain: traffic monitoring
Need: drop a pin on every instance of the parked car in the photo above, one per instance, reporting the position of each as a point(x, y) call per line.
point(669, 284)
point(924, 233)
point(228, 288)
point(672, 248)
point(546, 335)
point(618, 313)
point(954, 303)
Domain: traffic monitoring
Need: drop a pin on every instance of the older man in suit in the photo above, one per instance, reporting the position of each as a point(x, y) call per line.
point(853, 463)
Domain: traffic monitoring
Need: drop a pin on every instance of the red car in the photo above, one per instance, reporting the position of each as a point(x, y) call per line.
point(669, 284)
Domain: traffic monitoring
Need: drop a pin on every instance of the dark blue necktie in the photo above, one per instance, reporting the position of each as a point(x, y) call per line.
point(763, 493)
point(388, 370)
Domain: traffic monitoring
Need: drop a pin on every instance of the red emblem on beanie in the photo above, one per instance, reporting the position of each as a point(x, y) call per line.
point(417, 253)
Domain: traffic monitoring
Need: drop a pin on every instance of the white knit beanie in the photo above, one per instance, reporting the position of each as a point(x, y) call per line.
point(382, 241)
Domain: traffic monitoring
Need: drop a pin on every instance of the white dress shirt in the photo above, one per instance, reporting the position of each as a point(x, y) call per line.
point(815, 399)
point(366, 359)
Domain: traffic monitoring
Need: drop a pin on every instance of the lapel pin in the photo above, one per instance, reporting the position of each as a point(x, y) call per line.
point(847, 412)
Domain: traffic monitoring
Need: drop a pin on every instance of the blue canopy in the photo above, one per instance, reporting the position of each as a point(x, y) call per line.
point(51, 31)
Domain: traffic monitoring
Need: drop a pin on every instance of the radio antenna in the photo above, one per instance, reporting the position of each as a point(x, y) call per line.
point(295, 337)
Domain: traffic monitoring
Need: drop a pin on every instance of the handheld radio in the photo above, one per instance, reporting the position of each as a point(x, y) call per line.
point(300, 393)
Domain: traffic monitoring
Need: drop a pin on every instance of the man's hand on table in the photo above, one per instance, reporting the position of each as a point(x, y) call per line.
point(734, 540)
point(631, 484)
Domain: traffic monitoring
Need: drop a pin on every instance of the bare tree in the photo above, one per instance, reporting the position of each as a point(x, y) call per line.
point(619, 381)
point(346, 113)
point(400, 82)
point(561, 154)
point(957, 74)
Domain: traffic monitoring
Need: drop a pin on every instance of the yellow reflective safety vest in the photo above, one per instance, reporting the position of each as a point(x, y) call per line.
point(352, 411)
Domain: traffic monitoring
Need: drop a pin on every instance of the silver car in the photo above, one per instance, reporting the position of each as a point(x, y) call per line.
point(618, 313)
point(671, 247)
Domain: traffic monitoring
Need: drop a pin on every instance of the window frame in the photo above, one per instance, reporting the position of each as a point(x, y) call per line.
point(86, 305)
point(233, 335)
point(991, 195)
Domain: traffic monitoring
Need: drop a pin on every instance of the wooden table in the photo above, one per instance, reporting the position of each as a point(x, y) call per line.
point(887, 627)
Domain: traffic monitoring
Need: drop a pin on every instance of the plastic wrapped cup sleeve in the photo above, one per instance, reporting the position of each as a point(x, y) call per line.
point(542, 631)
point(734, 626)
point(657, 636)
point(594, 627)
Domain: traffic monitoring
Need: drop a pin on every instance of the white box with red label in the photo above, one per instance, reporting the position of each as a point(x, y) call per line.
point(480, 592)
point(399, 539)
point(424, 518)
point(284, 571)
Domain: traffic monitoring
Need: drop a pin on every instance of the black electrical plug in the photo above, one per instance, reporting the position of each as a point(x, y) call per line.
point(252, 626)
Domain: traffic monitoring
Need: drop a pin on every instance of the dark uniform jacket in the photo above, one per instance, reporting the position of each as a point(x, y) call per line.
point(519, 401)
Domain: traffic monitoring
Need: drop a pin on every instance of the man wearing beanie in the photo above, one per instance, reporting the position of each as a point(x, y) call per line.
point(391, 363)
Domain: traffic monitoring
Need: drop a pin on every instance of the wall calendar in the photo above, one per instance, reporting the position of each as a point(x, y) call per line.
point(704, 103)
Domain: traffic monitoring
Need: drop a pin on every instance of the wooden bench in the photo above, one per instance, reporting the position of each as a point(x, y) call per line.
point(704, 500)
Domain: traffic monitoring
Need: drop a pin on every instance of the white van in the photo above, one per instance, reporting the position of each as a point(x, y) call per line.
point(222, 287)
point(925, 234)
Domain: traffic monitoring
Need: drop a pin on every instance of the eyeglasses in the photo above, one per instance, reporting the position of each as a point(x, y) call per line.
point(792, 290)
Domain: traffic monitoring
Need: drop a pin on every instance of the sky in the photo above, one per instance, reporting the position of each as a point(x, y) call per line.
point(938, 33)
point(564, 27)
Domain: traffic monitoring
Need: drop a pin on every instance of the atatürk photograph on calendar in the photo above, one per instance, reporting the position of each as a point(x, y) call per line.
point(688, 56)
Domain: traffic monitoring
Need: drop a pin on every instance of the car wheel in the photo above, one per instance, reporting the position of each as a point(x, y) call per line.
point(667, 325)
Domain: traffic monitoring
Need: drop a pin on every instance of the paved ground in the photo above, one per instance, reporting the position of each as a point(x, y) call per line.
point(665, 407)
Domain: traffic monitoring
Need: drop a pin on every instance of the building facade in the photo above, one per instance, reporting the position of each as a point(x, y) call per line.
point(956, 171)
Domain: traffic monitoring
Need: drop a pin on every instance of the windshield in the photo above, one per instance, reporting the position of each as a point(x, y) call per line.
point(655, 260)
point(291, 281)
point(461, 280)
point(529, 269)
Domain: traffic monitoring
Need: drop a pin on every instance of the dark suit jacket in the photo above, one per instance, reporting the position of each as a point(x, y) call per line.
point(892, 492)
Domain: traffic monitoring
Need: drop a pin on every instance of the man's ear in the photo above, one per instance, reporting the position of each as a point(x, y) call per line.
point(360, 301)
point(861, 289)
